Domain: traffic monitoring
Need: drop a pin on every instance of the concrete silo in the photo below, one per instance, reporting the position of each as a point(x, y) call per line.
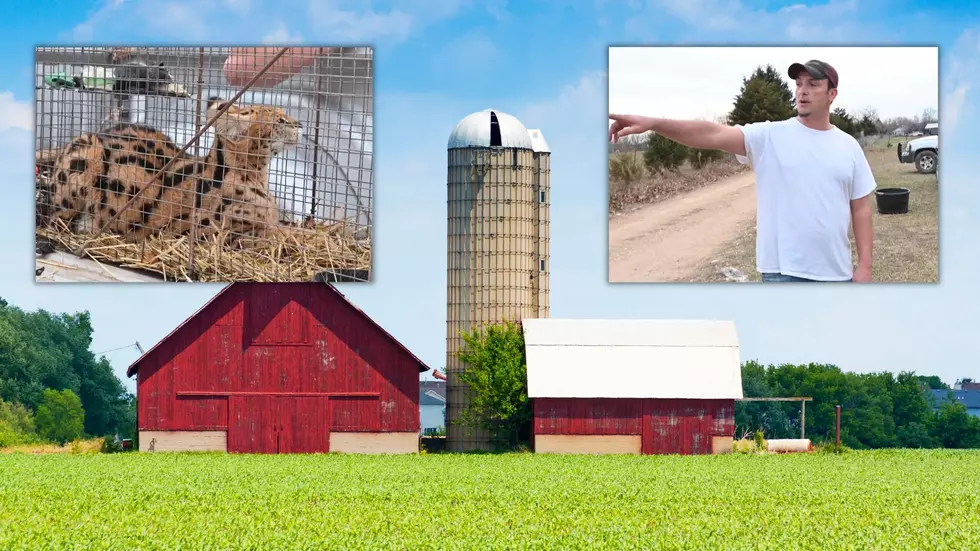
point(498, 196)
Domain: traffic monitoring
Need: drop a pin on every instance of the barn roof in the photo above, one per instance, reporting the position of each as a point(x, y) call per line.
point(632, 358)
point(131, 370)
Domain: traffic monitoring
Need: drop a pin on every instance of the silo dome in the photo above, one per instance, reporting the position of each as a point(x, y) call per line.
point(490, 128)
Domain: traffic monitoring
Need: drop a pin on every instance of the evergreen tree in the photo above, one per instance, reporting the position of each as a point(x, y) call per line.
point(764, 96)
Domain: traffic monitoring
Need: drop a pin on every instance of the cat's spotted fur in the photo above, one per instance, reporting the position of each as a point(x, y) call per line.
point(97, 174)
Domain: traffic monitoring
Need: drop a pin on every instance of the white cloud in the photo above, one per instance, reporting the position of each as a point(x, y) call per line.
point(340, 20)
point(241, 6)
point(177, 19)
point(359, 22)
point(14, 114)
point(350, 25)
point(281, 35)
point(702, 82)
point(497, 9)
point(470, 54)
point(799, 22)
point(961, 78)
point(560, 112)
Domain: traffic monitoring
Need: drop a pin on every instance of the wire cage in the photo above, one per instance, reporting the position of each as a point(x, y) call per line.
point(208, 164)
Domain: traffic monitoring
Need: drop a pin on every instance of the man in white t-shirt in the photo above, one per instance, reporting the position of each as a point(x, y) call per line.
point(812, 181)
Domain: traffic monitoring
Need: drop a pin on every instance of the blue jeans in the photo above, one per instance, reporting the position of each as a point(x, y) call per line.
point(780, 278)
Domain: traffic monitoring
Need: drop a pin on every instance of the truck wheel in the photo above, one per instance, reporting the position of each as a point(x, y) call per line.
point(925, 162)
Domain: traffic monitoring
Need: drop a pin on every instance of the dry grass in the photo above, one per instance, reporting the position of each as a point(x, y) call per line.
point(294, 254)
point(906, 246)
point(652, 189)
point(90, 446)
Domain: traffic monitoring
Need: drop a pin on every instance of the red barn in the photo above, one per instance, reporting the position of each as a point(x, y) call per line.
point(278, 368)
point(632, 386)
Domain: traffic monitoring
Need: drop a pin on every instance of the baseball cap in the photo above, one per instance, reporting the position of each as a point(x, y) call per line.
point(816, 69)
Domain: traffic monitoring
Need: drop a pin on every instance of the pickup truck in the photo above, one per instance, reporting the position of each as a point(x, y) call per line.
point(924, 151)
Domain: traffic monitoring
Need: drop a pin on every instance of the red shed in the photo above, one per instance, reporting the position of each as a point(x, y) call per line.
point(278, 368)
point(632, 386)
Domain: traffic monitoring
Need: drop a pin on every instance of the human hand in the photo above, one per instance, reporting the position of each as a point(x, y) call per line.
point(118, 55)
point(862, 274)
point(626, 125)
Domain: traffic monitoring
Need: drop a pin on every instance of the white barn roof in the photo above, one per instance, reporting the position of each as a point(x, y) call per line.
point(475, 131)
point(631, 358)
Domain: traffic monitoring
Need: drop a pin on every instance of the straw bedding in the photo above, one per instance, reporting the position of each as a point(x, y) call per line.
point(294, 253)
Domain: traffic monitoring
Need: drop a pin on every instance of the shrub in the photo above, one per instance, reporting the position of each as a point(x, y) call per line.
point(744, 446)
point(831, 447)
point(663, 154)
point(60, 417)
point(496, 377)
point(699, 158)
point(16, 425)
point(626, 168)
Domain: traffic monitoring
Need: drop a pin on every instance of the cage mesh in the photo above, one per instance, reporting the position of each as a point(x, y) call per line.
point(204, 215)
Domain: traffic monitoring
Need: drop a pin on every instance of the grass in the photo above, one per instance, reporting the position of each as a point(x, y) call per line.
point(88, 446)
point(906, 247)
point(901, 499)
point(631, 183)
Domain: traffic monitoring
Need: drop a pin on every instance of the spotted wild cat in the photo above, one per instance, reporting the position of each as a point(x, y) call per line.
point(97, 174)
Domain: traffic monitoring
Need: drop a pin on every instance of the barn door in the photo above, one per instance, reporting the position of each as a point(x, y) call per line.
point(305, 422)
point(253, 424)
point(676, 427)
point(659, 430)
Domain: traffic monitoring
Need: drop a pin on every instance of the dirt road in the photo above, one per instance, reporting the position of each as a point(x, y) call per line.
point(666, 241)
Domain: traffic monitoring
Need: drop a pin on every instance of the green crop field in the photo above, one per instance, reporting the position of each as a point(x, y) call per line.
point(882, 500)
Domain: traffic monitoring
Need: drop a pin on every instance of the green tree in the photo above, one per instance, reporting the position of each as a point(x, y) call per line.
point(16, 424)
point(954, 427)
point(841, 119)
point(932, 382)
point(769, 417)
point(60, 417)
point(909, 401)
point(915, 435)
point(41, 350)
point(496, 377)
point(663, 154)
point(879, 410)
point(764, 96)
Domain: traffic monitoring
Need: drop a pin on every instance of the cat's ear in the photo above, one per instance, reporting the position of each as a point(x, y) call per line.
point(231, 125)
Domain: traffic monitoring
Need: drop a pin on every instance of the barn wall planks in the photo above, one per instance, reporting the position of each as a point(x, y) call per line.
point(675, 426)
point(279, 338)
point(592, 416)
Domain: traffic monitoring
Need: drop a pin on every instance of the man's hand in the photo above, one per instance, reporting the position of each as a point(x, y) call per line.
point(626, 125)
point(119, 55)
point(862, 274)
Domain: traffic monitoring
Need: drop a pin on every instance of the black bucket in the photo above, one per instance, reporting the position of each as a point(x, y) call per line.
point(892, 200)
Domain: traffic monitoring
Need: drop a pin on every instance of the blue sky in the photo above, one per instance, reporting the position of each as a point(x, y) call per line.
point(544, 62)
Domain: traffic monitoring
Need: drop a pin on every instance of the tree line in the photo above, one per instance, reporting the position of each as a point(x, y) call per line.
point(878, 410)
point(52, 387)
point(764, 96)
